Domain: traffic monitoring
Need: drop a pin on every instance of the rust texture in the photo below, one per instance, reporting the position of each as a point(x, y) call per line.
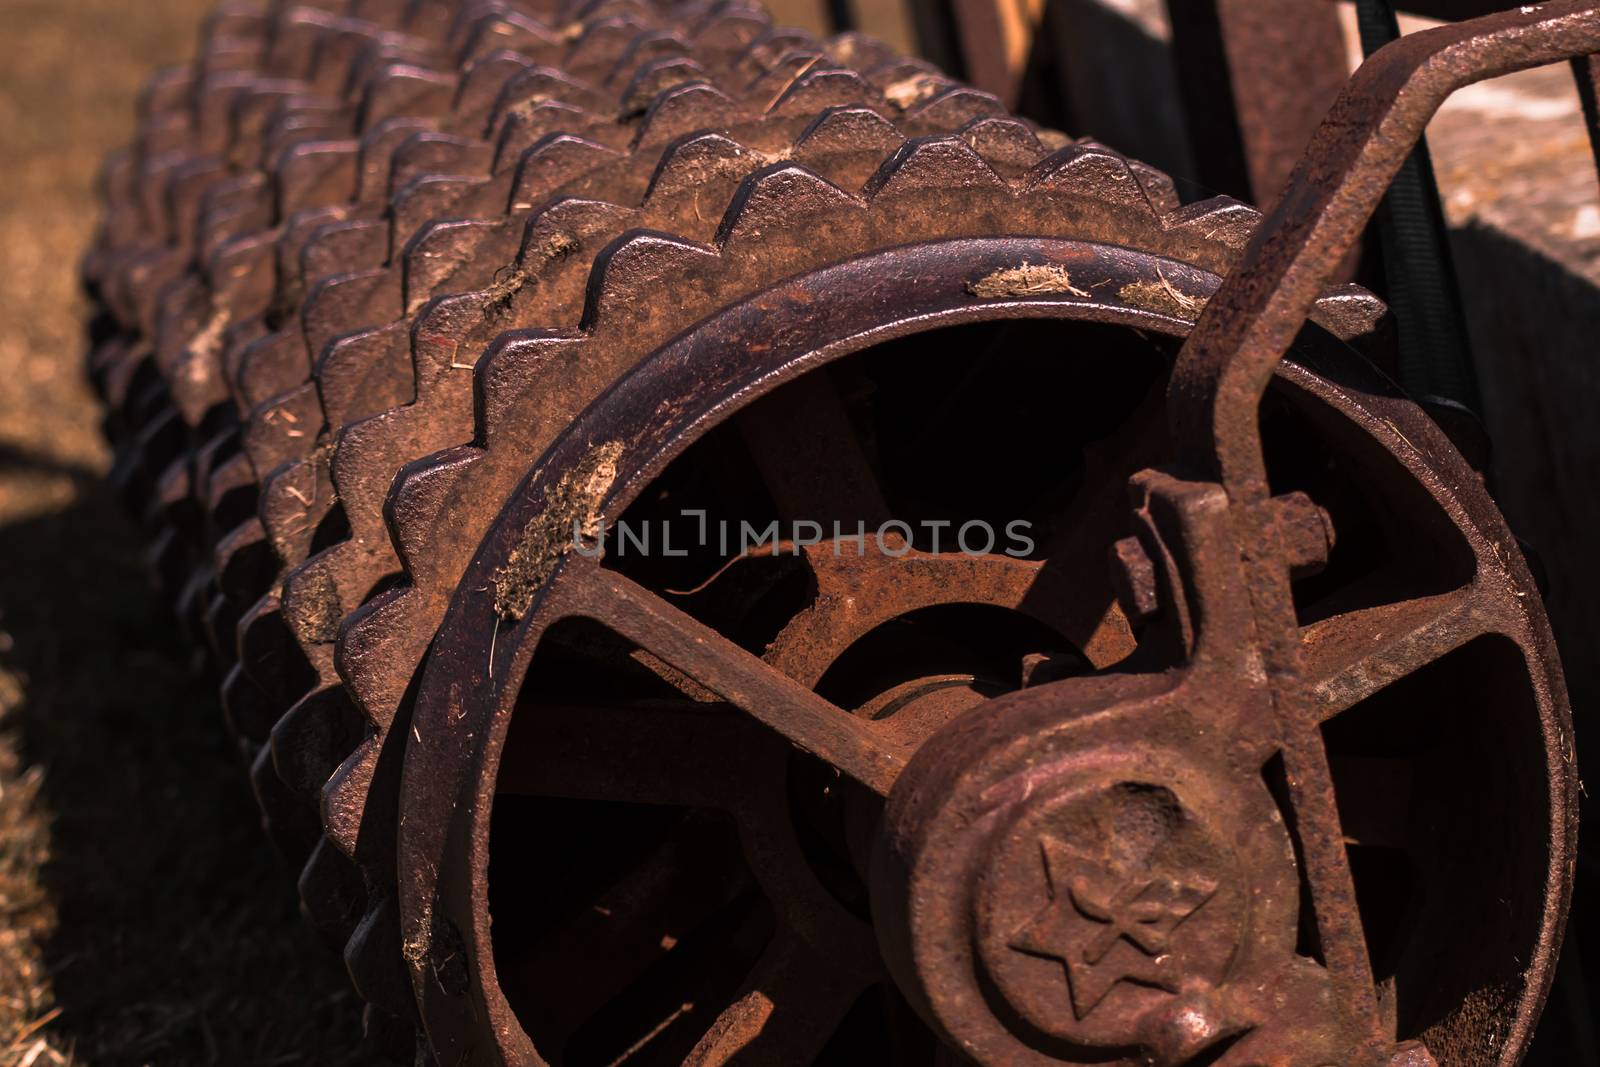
point(1125, 671)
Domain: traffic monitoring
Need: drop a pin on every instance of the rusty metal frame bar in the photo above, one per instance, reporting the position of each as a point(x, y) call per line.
point(1235, 59)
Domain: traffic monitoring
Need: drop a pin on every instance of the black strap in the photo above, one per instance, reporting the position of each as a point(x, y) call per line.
point(1435, 357)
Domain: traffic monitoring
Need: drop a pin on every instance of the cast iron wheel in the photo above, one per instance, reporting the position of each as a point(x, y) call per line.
point(580, 718)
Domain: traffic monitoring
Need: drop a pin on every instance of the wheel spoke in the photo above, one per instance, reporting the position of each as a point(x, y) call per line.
point(587, 961)
point(831, 476)
point(1344, 660)
point(790, 1008)
point(805, 719)
point(1351, 656)
point(675, 753)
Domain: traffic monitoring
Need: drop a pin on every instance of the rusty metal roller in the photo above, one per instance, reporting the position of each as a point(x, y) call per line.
point(1085, 695)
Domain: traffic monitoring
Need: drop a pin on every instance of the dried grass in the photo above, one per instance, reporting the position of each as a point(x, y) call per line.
point(1030, 279)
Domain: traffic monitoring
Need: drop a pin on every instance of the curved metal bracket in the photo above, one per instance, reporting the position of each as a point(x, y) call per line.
point(1224, 367)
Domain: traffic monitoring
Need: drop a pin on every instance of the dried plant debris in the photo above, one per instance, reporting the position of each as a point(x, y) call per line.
point(571, 513)
point(1163, 298)
point(1026, 280)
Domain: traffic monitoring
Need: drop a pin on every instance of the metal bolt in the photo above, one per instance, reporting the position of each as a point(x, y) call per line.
point(1305, 532)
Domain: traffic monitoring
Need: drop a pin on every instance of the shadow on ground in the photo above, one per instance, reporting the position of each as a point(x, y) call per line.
point(165, 924)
